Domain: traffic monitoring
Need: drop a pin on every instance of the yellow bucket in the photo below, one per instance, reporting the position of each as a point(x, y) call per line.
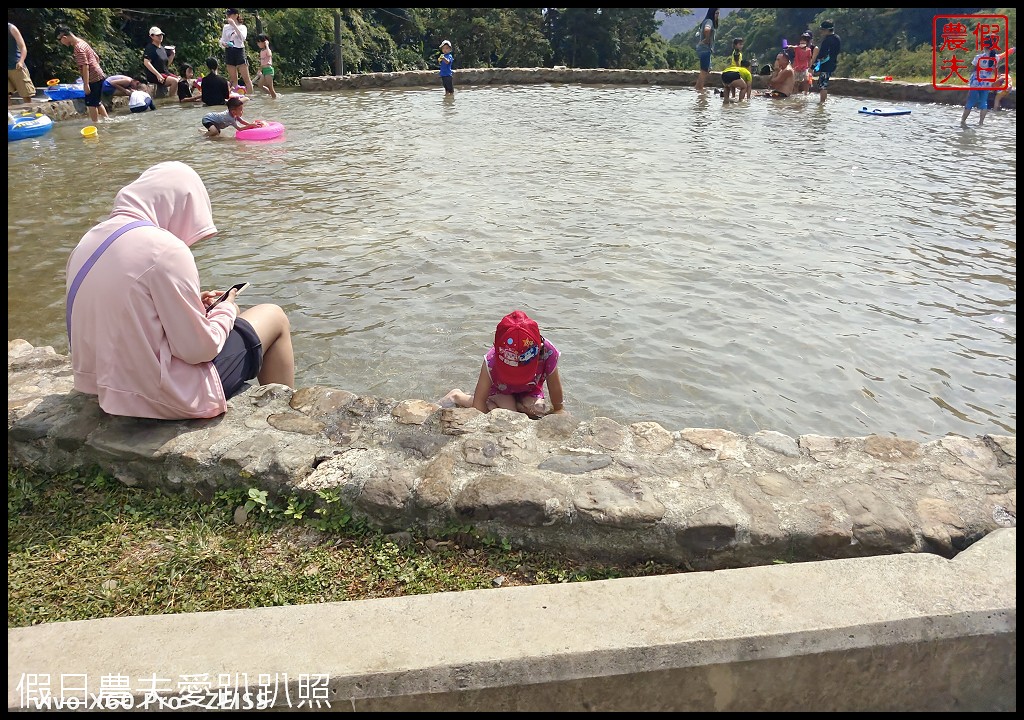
point(89, 131)
point(54, 81)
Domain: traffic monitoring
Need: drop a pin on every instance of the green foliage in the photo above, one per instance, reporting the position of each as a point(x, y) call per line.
point(302, 41)
point(487, 37)
point(332, 515)
point(876, 41)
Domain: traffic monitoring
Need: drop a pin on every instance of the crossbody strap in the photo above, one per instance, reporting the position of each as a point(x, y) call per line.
point(84, 270)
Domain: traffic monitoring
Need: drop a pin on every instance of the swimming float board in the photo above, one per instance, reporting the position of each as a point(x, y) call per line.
point(268, 132)
point(28, 126)
point(882, 113)
point(64, 91)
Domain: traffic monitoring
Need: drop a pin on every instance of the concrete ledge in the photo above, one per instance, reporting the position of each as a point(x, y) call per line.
point(896, 633)
point(875, 89)
point(73, 109)
point(697, 498)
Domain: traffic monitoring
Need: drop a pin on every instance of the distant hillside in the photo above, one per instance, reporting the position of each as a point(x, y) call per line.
point(672, 25)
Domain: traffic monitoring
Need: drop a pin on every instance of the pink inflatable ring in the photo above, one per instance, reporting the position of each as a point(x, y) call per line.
point(268, 132)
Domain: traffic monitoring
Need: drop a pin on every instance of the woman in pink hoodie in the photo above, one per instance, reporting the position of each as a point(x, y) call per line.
point(143, 337)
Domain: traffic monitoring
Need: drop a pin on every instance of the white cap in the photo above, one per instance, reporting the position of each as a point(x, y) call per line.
point(446, 42)
point(155, 31)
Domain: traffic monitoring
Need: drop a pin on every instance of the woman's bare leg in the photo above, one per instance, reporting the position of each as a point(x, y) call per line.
point(271, 324)
point(246, 79)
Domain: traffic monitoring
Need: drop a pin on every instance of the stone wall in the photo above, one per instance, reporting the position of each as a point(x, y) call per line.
point(698, 498)
point(67, 109)
point(874, 89)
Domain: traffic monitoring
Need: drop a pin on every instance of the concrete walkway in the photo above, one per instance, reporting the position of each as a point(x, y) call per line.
point(894, 633)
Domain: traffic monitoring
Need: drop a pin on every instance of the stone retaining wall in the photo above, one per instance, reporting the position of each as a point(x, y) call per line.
point(699, 498)
point(66, 109)
point(875, 89)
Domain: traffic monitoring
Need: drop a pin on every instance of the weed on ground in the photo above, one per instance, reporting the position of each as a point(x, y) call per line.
point(84, 546)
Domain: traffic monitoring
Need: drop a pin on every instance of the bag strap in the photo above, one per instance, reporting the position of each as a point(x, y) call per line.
point(92, 261)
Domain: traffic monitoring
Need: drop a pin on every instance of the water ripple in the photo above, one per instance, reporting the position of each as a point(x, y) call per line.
point(759, 266)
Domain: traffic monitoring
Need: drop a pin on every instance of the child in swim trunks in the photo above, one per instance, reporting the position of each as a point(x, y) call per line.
point(514, 371)
point(266, 65)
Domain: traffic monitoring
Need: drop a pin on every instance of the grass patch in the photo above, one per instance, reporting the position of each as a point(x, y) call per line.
point(83, 546)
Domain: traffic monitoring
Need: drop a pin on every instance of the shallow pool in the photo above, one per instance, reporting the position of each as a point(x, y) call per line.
point(759, 266)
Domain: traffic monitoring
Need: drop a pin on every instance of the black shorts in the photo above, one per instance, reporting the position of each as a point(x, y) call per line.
point(449, 84)
point(209, 124)
point(728, 78)
point(92, 98)
point(241, 358)
point(234, 56)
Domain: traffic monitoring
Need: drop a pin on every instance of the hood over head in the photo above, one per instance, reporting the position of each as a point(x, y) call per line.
point(172, 196)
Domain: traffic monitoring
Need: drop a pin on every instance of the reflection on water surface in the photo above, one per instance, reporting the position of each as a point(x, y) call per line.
point(751, 267)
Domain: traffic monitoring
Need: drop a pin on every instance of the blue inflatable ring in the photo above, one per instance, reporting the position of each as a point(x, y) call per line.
point(28, 126)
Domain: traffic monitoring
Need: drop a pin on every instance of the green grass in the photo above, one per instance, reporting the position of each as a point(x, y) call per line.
point(83, 546)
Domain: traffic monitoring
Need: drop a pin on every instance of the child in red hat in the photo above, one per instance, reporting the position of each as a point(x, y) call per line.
point(514, 372)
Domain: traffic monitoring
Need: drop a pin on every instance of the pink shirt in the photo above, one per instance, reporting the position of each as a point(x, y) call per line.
point(140, 336)
point(801, 58)
point(546, 366)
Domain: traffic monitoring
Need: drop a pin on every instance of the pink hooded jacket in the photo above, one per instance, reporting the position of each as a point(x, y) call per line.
point(140, 336)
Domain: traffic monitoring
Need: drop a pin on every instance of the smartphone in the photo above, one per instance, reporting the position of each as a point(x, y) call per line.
point(237, 286)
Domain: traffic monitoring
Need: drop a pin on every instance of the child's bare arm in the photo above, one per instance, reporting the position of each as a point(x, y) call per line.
point(555, 393)
point(483, 386)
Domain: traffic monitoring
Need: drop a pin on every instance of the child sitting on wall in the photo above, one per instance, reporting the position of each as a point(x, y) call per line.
point(514, 372)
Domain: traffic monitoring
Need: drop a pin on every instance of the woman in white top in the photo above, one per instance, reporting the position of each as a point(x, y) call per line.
point(232, 39)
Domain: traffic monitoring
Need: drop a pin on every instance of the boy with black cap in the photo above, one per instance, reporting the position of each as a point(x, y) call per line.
point(825, 57)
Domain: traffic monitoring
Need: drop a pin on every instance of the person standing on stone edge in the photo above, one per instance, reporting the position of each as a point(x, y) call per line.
point(825, 57)
point(706, 44)
point(446, 61)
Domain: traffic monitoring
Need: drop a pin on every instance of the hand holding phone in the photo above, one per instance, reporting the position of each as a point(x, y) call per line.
point(238, 287)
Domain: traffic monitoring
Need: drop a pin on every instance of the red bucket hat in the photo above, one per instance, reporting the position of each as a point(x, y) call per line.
point(517, 343)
